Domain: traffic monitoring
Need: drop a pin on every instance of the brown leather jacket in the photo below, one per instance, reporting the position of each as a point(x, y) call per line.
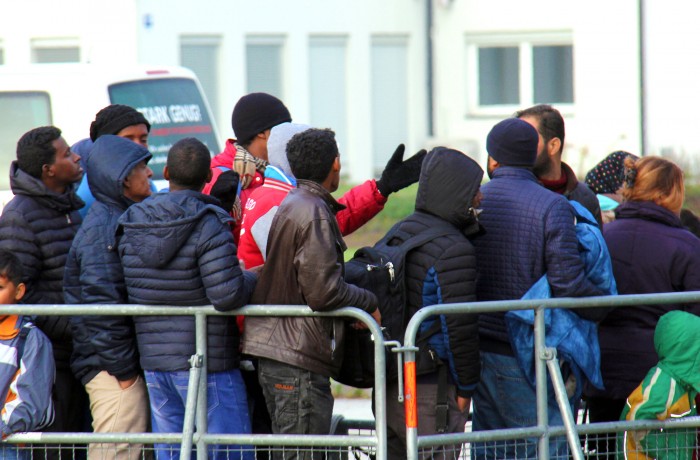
point(304, 267)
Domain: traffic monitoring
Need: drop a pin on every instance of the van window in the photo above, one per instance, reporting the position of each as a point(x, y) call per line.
point(175, 109)
point(19, 109)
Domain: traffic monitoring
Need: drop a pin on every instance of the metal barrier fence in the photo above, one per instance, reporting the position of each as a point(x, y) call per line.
point(248, 446)
point(371, 443)
point(545, 357)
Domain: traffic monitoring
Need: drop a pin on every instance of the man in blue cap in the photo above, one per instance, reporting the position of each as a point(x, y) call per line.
point(529, 232)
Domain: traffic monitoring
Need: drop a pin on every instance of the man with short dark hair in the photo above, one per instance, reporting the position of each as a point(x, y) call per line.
point(529, 233)
point(553, 173)
point(38, 226)
point(304, 267)
point(177, 249)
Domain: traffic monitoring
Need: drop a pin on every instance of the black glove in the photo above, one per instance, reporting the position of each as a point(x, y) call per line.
point(398, 173)
point(225, 189)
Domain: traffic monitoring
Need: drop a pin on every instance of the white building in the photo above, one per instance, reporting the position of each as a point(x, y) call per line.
point(363, 67)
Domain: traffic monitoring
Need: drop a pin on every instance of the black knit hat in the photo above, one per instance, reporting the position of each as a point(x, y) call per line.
point(256, 112)
point(513, 142)
point(114, 118)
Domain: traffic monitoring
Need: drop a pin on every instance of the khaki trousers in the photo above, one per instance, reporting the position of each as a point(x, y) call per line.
point(117, 411)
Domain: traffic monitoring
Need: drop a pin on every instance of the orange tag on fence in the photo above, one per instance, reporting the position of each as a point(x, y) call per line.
point(410, 402)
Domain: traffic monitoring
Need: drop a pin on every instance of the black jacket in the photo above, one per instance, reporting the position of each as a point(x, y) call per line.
point(444, 270)
point(38, 226)
point(93, 270)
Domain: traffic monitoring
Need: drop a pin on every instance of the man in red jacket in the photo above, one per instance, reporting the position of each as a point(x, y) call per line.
point(254, 115)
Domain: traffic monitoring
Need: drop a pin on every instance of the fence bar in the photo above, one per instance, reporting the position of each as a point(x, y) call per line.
point(202, 405)
point(196, 362)
point(541, 385)
point(564, 406)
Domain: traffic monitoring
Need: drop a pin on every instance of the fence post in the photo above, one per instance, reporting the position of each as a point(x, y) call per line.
point(541, 384)
point(190, 406)
point(201, 349)
point(380, 392)
point(410, 402)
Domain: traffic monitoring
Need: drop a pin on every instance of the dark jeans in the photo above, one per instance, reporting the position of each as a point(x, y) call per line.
point(428, 398)
point(299, 402)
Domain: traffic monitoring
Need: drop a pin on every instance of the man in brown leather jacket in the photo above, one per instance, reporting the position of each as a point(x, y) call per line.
point(304, 267)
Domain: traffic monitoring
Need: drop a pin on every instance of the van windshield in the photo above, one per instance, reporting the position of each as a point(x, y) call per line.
point(175, 109)
point(19, 109)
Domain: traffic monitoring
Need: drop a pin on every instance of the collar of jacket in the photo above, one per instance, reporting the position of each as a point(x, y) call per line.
point(647, 210)
point(317, 189)
point(513, 172)
point(22, 183)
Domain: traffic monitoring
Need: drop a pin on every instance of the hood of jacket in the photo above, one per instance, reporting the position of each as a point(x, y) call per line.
point(277, 145)
point(22, 183)
point(448, 182)
point(160, 225)
point(676, 342)
point(111, 160)
point(647, 210)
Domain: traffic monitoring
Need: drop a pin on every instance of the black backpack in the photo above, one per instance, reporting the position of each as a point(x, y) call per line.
point(381, 270)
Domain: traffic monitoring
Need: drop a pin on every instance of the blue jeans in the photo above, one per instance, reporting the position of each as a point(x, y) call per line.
point(227, 407)
point(12, 452)
point(504, 399)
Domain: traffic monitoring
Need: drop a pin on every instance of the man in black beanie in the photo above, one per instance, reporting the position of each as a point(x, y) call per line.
point(119, 120)
point(254, 115)
point(529, 233)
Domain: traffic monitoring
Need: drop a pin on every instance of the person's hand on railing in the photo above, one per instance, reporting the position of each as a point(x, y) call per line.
point(377, 315)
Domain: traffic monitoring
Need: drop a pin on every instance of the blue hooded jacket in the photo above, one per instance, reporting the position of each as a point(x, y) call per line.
point(93, 270)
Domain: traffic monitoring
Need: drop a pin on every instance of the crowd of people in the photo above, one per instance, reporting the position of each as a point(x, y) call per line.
point(258, 224)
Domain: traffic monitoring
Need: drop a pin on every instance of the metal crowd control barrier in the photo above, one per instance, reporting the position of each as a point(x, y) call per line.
point(196, 405)
point(547, 358)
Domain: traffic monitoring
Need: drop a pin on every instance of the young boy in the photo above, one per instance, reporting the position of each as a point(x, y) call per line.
point(668, 391)
point(26, 388)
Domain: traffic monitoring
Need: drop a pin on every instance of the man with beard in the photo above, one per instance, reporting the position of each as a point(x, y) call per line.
point(553, 173)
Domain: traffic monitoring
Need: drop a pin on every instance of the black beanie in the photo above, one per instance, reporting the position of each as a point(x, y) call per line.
point(256, 112)
point(114, 118)
point(513, 142)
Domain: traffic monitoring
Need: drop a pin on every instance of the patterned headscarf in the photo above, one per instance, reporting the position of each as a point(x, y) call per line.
point(608, 175)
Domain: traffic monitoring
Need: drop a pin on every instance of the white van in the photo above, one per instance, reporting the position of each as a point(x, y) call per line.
point(69, 95)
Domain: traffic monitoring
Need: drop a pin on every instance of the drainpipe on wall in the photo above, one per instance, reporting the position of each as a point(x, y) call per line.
point(642, 81)
point(429, 64)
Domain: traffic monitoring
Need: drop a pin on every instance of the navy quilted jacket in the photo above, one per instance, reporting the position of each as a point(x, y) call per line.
point(38, 226)
point(93, 270)
point(529, 231)
point(444, 270)
point(177, 249)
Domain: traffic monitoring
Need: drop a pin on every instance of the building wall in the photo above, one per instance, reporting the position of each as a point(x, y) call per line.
point(604, 115)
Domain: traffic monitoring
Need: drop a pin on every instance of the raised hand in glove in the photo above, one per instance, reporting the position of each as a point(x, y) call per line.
point(225, 189)
point(400, 173)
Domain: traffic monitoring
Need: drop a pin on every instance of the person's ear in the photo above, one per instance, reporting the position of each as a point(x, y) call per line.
point(47, 170)
point(209, 176)
point(554, 146)
point(19, 292)
point(166, 173)
point(336, 164)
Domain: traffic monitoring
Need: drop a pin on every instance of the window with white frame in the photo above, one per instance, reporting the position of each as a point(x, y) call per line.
point(507, 73)
point(264, 64)
point(62, 49)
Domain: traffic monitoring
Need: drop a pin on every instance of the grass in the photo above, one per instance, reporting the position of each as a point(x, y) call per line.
point(399, 205)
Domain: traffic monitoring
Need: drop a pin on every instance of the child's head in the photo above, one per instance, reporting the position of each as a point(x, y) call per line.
point(188, 166)
point(11, 285)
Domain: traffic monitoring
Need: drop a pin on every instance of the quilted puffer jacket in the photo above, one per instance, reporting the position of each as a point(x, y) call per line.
point(529, 231)
point(93, 270)
point(38, 226)
point(177, 249)
point(444, 270)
